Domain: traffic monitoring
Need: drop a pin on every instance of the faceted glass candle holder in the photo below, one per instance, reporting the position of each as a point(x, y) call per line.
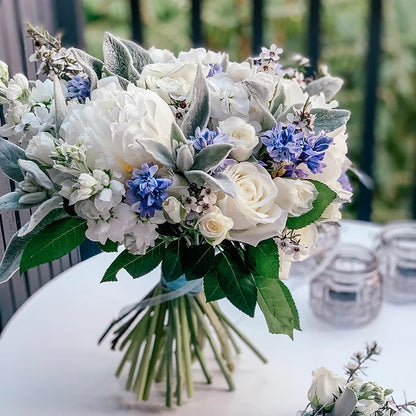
point(397, 261)
point(348, 293)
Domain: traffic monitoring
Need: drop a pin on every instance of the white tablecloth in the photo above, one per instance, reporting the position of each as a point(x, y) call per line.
point(50, 364)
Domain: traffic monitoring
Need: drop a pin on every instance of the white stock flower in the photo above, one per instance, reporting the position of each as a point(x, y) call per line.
point(254, 211)
point(214, 225)
point(325, 385)
point(228, 98)
point(121, 220)
point(240, 71)
point(168, 79)
point(295, 195)
point(17, 88)
point(161, 55)
point(140, 237)
point(40, 148)
point(42, 92)
point(242, 135)
point(4, 72)
point(112, 124)
point(174, 210)
point(201, 56)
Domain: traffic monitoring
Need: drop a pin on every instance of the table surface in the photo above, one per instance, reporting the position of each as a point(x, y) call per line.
point(50, 364)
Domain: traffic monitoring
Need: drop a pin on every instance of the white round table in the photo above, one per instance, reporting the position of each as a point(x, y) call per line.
point(50, 364)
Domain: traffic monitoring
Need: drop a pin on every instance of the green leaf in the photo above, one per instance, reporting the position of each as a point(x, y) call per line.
point(211, 156)
point(264, 259)
point(118, 59)
point(212, 287)
point(218, 182)
point(236, 281)
point(197, 260)
point(9, 156)
point(328, 85)
point(199, 110)
point(135, 265)
point(176, 135)
point(53, 242)
point(109, 246)
point(13, 254)
point(159, 151)
point(277, 306)
point(10, 201)
point(171, 263)
point(329, 120)
point(324, 198)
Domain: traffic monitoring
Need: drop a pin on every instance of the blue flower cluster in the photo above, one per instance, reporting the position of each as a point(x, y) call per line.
point(290, 147)
point(146, 193)
point(205, 137)
point(79, 87)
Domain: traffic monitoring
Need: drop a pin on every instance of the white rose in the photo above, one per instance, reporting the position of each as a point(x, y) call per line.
point(254, 211)
point(174, 210)
point(112, 124)
point(325, 385)
point(295, 196)
point(214, 225)
point(242, 135)
point(4, 72)
point(168, 79)
point(40, 148)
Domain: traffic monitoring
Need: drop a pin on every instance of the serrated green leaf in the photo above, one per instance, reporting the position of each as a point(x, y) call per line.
point(9, 156)
point(277, 306)
point(236, 281)
point(218, 182)
point(324, 198)
point(211, 286)
point(171, 263)
point(135, 265)
point(199, 110)
point(53, 242)
point(13, 254)
point(197, 260)
point(329, 120)
point(109, 246)
point(264, 259)
point(118, 59)
point(211, 156)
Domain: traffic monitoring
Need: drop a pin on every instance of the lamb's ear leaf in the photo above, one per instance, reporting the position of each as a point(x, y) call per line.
point(139, 55)
point(211, 156)
point(199, 110)
point(92, 66)
point(218, 182)
point(159, 151)
point(9, 156)
point(60, 105)
point(327, 85)
point(10, 202)
point(329, 120)
point(118, 59)
point(11, 258)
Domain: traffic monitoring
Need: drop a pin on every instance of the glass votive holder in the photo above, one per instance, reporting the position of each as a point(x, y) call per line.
point(348, 293)
point(397, 261)
point(328, 238)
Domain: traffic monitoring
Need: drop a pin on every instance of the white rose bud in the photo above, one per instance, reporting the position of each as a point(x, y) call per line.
point(184, 158)
point(295, 196)
point(242, 135)
point(40, 148)
point(325, 385)
point(173, 210)
point(214, 226)
point(4, 72)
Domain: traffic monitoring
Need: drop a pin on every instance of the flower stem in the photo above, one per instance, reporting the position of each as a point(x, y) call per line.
point(186, 347)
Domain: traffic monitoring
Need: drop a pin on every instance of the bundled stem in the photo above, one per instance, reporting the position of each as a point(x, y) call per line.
point(164, 339)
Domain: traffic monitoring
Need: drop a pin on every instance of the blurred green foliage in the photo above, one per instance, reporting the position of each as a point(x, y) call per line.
point(227, 26)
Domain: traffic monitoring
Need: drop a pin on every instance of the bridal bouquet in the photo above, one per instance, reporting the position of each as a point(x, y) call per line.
point(334, 395)
point(219, 171)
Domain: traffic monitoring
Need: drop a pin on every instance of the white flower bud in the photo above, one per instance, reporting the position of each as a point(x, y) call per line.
point(214, 226)
point(173, 210)
point(184, 158)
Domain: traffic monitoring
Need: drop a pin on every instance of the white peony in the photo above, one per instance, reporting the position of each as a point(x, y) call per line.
point(214, 225)
point(242, 135)
point(295, 195)
point(325, 385)
point(168, 79)
point(254, 211)
point(112, 124)
point(40, 148)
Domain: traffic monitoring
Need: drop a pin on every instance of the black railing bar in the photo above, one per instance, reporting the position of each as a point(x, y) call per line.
point(313, 41)
point(196, 23)
point(136, 21)
point(257, 22)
